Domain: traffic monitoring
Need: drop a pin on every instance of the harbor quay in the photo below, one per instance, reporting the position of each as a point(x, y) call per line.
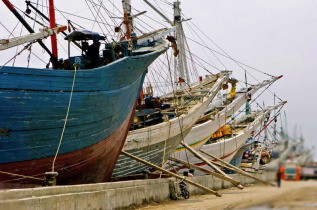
point(114, 195)
point(299, 195)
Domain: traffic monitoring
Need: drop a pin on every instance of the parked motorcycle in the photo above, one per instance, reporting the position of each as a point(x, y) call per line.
point(183, 188)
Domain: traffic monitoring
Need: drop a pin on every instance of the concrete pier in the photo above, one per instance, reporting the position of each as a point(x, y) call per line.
point(113, 195)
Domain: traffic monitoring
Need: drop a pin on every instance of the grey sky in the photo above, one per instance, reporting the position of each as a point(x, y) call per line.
point(275, 36)
point(278, 37)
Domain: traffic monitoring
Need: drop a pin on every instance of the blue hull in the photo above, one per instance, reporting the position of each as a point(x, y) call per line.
point(33, 105)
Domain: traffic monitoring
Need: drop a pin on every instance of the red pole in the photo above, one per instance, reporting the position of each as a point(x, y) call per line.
point(53, 25)
point(25, 24)
point(8, 4)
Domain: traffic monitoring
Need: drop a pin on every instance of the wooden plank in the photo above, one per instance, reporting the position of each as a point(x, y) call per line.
point(199, 168)
point(228, 178)
point(207, 116)
point(236, 169)
point(8, 43)
point(170, 173)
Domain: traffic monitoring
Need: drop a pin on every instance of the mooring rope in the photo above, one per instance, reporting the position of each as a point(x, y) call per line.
point(164, 151)
point(13, 174)
point(69, 103)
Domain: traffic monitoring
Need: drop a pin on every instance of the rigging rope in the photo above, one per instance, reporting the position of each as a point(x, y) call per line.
point(17, 46)
point(193, 31)
point(254, 100)
point(229, 57)
point(95, 17)
point(25, 48)
point(176, 110)
point(226, 55)
point(73, 14)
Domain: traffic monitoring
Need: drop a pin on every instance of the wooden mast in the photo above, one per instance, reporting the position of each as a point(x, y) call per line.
point(126, 4)
point(181, 65)
point(53, 37)
point(26, 25)
point(181, 73)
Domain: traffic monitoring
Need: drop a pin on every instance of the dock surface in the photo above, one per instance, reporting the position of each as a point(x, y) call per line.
point(291, 195)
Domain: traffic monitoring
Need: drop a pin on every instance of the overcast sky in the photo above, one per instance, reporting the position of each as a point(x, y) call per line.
point(276, 36)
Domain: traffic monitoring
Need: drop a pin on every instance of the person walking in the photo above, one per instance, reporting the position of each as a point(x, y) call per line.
point(278, 177)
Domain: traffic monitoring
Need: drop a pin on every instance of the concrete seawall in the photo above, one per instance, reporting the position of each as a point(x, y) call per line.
point(113, 195)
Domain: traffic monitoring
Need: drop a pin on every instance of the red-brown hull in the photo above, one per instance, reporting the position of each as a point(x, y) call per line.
point(92, 164)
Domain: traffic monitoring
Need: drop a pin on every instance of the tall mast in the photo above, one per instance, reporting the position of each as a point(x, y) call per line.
point(126, 4)
point(28, 27)
point(53, 25)
point(158, 11)
point(181, 64)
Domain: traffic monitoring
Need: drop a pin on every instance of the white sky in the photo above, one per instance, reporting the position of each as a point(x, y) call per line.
point(275, 36)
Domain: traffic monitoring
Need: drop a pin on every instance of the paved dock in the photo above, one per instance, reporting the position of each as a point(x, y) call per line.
point(292, 195)
point(156, 192)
